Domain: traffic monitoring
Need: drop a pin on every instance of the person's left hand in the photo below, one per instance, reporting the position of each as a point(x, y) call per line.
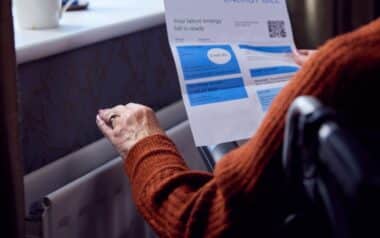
point(126, 125)
point(302, 56)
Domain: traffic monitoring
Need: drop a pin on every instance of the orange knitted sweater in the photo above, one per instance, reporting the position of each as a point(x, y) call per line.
point(244, 196)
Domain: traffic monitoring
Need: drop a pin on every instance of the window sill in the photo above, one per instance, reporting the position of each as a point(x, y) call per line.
point(105, 19)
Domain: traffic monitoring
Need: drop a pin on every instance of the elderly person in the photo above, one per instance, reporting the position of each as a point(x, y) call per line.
point(245, 195)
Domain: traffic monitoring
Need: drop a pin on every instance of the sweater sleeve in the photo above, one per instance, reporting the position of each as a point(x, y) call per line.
point(172, 199)
point(178, 202)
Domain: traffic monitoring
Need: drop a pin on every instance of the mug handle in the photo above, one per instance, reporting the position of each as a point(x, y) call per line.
point(65, 7)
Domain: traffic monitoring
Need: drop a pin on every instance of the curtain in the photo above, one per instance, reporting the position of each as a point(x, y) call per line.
point(11, 172)
point(316, 21)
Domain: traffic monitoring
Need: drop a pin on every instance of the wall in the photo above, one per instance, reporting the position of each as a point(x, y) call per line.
point(61, 95)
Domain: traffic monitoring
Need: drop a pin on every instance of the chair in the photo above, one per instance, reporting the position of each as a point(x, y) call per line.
point(333, 176)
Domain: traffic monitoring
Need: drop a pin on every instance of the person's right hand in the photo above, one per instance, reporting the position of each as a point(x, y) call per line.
point(302, 56)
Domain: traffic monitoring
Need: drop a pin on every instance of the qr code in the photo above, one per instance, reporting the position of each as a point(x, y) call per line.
point(277, 29)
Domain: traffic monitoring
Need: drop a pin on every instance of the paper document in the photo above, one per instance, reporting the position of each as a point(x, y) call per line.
point(232, 57)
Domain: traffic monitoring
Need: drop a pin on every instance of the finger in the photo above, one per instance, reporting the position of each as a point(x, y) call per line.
point(119, 108)
point(138, 107)
point(298, 53)
point(304, 52)
point(139, 111)
point(117, 120)
point(104, 128)
point(116, 114)
point(299, 59)
point(133, 106)
point(106, 114)
point(312, 52)
point(295, 51)
point(133, 109)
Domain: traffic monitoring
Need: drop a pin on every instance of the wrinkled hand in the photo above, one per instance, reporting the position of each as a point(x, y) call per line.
point(126, 125)
point(302, 56)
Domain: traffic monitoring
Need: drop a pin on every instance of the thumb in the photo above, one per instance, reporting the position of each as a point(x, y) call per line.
point(103, 127)
point(299, 58)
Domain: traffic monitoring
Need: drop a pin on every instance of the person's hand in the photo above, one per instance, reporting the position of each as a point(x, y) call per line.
point(302, 56)
point(126, 125)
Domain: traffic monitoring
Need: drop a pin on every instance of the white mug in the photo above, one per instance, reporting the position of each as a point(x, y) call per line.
point(40, 14)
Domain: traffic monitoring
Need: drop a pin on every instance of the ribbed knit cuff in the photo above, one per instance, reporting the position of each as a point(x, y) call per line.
point(152, 146)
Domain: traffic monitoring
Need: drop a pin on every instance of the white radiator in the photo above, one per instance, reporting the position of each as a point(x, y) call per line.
point(98, 203)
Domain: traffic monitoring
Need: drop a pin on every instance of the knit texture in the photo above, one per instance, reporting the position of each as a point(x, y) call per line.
point(178, 202)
